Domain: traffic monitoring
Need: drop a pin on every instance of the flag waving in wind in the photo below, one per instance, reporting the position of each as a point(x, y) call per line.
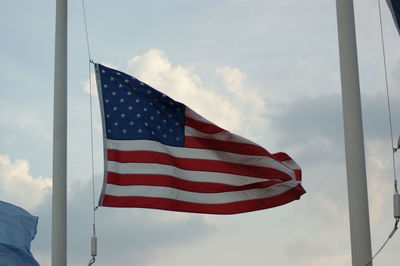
point(161, 154)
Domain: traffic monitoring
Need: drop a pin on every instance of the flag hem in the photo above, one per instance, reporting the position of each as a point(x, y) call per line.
point(100, 94)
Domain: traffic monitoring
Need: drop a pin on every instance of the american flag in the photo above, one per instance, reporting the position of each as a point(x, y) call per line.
point(161, 154)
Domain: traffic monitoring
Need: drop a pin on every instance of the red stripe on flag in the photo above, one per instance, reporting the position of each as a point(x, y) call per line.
point(196, 164)
point(226, 208)
point(202, 127)
point(173, 182)
point(282, 157)
point(234, 147)
point(297, 174)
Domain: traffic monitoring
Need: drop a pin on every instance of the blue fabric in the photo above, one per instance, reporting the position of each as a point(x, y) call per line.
point(17, 229)
point(394, 6)
point(134, 110)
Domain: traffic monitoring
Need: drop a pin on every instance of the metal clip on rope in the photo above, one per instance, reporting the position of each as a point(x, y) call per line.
point(93, 249)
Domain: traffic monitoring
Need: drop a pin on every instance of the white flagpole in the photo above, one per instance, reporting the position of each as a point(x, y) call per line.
point(354, 139)
point(59, 197)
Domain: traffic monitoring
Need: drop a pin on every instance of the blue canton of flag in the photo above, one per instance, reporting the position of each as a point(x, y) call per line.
point(135, 110)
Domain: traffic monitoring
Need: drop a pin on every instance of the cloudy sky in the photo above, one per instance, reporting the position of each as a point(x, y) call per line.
point(267, 70)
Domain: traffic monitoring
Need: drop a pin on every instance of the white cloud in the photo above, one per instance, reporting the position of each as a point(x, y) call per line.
point(331, 260)
point(331, 210)
point(24, 118)
point(235, 82)
point(17, 186)
point(331, 226)
point(235, 109)
point(89, 86)
point(318, 250)
point(183, 85)
point(380, 177)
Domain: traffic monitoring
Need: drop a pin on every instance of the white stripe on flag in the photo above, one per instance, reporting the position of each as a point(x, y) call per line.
point(291, 164)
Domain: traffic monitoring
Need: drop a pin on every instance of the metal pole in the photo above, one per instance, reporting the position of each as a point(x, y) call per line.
point(59, 198)
point(353, 133)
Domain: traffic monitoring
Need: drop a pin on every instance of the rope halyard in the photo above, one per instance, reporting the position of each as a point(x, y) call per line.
point(396, 197)
point(94, 238)
point(394, 149)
